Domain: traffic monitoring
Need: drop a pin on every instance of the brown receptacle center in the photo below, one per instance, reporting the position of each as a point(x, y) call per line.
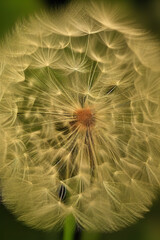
point(84, 117)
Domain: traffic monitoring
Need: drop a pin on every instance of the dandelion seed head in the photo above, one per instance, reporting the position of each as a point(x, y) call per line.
point(79, 118)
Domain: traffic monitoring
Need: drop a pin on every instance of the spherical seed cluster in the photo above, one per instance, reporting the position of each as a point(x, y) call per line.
point(79, 118)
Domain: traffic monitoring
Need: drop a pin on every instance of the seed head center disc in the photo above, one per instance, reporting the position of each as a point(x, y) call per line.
point(84, 117)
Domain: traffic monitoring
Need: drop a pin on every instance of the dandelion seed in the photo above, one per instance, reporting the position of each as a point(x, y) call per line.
point(79, 119)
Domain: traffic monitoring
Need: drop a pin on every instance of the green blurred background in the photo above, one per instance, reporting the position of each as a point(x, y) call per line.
point(148, 13)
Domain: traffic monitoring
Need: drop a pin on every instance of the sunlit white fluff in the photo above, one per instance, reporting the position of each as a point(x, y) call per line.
point(54, 66)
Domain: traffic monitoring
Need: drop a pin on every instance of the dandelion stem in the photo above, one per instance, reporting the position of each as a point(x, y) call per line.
point(69, 228)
